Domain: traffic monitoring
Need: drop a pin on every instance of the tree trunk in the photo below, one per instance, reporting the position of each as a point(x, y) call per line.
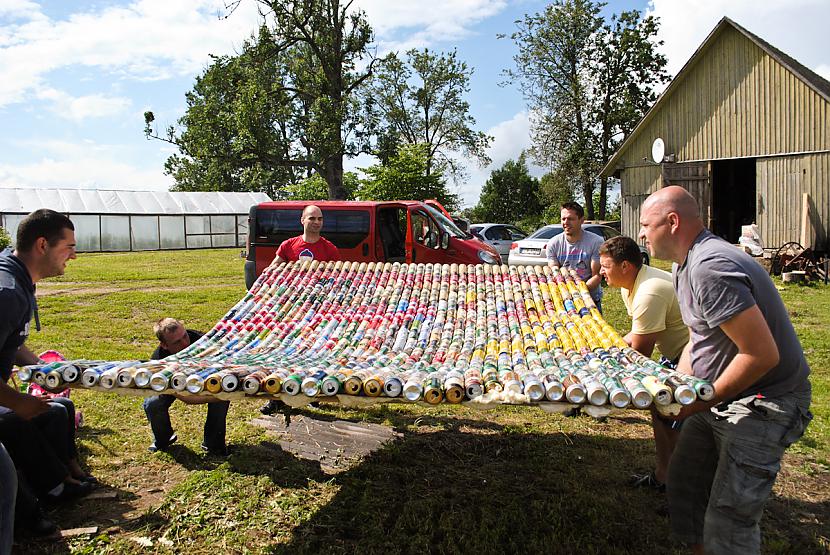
point(603, 196)
point(588, 198)
point(334, 177)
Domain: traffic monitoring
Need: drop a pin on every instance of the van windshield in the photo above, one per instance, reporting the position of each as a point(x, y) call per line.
point(447, 224)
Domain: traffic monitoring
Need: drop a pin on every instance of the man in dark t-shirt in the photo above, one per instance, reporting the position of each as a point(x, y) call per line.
point(741, 339)
point(174, 337)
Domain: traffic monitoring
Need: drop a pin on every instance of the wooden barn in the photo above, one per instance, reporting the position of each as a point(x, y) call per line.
point(746, 129)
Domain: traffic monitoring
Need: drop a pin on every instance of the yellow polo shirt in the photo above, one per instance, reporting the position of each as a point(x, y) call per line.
point(653, 308)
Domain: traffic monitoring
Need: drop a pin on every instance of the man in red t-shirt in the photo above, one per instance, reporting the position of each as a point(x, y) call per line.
point(310, 244)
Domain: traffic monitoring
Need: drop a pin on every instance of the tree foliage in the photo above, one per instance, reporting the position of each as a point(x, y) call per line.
point(405, 177)
point(237, 129)
point(316, 188)
point(5, 238)
point(556, 189)
point(587, 83)
point(510, 194)
point(420, 100)
point(285, 106)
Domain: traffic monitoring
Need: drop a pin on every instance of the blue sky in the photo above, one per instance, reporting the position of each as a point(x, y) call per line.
point(76, 77)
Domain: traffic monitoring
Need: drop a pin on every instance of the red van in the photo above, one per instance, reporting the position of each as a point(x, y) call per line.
point(367, 231)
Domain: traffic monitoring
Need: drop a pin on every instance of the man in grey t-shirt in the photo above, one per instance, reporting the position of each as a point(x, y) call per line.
point(741, 338)
point(577, 249)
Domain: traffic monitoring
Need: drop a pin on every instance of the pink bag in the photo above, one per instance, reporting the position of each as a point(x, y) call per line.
point(37, 391)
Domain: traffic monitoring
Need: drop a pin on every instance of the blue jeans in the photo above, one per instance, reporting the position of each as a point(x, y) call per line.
point(8, 494)
point(158, 413)
point(724, 467)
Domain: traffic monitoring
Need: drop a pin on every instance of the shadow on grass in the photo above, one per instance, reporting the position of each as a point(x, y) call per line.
point(460, 492)
point(102, 512)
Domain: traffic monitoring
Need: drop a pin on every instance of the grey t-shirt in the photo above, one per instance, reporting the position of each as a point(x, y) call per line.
point(718, 281)
point(576, 255)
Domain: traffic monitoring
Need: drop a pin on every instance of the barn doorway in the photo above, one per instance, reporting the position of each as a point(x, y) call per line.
point(733, 197)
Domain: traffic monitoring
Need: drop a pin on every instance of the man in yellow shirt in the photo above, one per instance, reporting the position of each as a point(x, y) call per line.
point(650, 300)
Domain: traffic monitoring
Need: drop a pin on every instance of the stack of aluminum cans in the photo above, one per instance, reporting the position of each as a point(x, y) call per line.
point(420, 332)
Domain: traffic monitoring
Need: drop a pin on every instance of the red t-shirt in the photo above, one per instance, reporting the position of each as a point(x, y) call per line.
point(293, 249)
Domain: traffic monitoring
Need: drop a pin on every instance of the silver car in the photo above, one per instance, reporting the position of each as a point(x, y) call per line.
point(500, 236)
point(531, 250)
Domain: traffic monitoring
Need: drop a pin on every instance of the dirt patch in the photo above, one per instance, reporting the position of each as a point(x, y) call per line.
point(799, 509)
point(63, 289)
point(337, 444)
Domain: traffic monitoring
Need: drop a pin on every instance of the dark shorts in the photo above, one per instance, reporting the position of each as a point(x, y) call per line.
point(724, 467)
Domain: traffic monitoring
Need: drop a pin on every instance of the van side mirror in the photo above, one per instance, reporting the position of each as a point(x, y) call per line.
point(445, 240)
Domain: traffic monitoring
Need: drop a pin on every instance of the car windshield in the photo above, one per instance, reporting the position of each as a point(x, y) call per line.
point(546, 233)
point(446, 223)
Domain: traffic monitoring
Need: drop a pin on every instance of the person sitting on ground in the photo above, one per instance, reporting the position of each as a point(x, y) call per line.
point(310, 245)
point(26, 407)
point(174, 337)
point(649, 299)
point(45, 243)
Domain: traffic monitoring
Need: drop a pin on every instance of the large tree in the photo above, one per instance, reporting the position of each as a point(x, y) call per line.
point(510, 194)
point(239, 127)
point(301, 77)
point(421, 100)
point(404, 176)
point(587, 83)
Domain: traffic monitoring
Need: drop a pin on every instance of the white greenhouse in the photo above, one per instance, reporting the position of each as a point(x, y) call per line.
point(138, 220)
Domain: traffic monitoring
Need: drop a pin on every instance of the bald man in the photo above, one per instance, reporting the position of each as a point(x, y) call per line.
point(729, 450)
point(309, 245)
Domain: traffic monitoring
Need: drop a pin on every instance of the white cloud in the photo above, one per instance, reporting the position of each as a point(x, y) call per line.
point(86, 165)
point(18, 8)
point(404, 25)
point(147, 39)
point(83, 107)
point(797, 27)
point(510, 138)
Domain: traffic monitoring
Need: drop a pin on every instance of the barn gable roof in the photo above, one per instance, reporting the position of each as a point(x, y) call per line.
point(809, 77)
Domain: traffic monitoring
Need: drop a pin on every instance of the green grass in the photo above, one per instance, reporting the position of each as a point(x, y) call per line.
point(458, 480)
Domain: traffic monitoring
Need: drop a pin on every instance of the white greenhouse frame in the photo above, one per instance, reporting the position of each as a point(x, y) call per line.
point(113, 221)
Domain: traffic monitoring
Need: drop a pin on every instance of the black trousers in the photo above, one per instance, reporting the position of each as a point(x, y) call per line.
point(32, 450)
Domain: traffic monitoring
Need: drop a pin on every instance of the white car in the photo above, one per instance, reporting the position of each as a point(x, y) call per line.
point(499, 236)
point(531, 251)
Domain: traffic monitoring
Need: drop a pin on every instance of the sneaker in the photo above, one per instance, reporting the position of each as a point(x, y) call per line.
point(648, 480)
point(70, 491)
point(154, 448)
point(222, 451)
point(39, 526)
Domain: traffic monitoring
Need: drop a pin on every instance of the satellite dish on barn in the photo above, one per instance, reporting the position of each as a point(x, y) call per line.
point(658, 150)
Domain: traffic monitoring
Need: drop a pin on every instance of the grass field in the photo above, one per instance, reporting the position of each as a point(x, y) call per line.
point(456, 480)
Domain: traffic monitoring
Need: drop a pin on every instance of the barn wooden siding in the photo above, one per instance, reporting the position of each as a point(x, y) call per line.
point(780, 184)
point(735, 101)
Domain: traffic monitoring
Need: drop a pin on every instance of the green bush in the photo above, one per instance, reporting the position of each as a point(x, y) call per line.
point(5, 239)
